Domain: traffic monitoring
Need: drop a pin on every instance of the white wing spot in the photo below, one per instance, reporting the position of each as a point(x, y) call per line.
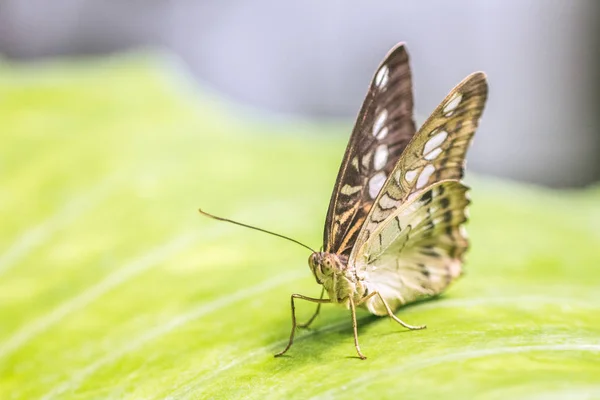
point(349, 190)
point(435, 141)
point(433, 155)
point(425, 175)
point(382, 77)
point(354, 163)
point(455, 269)
point(379, 121)
point(381, 156)
point(382, 133)
point(463, 231)
point(376, 183)
point(386, 202)
point(410, 175)
point(451, 105)
point(466, 212)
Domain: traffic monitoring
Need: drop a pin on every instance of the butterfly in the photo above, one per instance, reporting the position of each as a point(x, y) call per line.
point(394, 231)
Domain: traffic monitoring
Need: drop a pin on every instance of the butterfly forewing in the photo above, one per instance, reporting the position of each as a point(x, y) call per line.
point(437, 152)
point(383, 129)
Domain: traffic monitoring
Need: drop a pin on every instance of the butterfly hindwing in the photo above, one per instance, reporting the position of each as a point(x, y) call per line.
point(383, 129)
point(437, 152)
point(417, 251)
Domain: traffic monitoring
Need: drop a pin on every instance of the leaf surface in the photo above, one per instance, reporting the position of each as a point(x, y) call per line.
point(112, 285)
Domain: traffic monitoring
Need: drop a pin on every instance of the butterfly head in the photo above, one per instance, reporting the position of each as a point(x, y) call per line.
point(325, 265)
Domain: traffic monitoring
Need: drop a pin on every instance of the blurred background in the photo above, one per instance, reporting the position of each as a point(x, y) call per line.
point(313, 60)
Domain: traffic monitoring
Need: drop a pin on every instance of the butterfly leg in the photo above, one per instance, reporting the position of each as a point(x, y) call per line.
point(367, 298)
point(354, 326)
point(307, 324)
point(294, 324)
point(398, 320)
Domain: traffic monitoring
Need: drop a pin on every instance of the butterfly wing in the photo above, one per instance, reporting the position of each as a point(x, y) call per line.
point(417, 251)
point(411, 242)
point(437, 152)
point(383, 129)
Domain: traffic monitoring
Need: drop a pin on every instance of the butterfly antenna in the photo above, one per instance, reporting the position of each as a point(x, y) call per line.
point(254, 227)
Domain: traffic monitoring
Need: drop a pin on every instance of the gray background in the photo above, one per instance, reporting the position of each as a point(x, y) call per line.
point(314, 59)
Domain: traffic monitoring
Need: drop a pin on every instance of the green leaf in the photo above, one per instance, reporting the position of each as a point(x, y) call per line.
point(113, 286)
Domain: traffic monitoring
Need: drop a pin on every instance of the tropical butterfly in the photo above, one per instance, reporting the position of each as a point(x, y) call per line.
point(394, 230)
